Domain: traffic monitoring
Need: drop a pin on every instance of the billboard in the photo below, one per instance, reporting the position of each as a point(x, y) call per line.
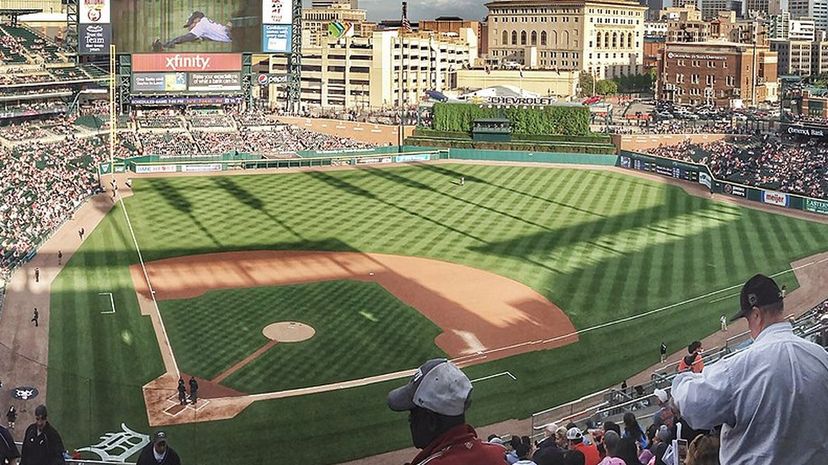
point(775, 198)
point(816, 206)
point(175, 62)
point(94, 31)
point(94, 39)
point(142, 26)
point(159, 82)
point(94, 12)
point(276, 38)
point(214, 82)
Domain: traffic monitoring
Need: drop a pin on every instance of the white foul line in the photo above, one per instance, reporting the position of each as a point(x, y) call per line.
point(111, 302)
point(495, 376)
point(149, 285)
point(484, 354)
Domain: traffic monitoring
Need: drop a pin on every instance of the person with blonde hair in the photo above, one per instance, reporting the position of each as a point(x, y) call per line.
point(704, 450)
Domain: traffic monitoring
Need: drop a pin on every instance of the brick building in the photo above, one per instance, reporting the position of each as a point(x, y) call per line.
point(717, 73)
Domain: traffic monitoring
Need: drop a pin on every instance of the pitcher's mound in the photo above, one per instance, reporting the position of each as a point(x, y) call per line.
point(288, 331)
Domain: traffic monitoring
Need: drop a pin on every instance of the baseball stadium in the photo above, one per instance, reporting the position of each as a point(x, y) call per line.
point(253, 282)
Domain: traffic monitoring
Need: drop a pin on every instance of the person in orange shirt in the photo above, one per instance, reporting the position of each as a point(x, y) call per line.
point(576, 442)
point(693, 360)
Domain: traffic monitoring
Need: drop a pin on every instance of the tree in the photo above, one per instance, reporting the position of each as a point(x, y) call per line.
point(586, 83)
point(606, 87)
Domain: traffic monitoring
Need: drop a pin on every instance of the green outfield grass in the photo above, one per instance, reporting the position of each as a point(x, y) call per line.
point(600, 245)
point(360, 326)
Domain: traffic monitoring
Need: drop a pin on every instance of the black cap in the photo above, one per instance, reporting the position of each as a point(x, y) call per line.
point(196, 15)
point(758, 291)
point(40, 411)
point(159, 436)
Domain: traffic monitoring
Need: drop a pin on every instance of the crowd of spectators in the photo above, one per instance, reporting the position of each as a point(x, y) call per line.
point(168, 144)
point(678, 127)
point(209, 121)
point(764, 162)
point(41, 185)
point(21, 132)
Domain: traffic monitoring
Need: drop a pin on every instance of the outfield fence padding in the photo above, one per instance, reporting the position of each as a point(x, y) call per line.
point(701, 174)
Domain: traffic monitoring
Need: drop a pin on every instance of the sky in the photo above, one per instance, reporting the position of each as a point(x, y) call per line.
point(419, 9)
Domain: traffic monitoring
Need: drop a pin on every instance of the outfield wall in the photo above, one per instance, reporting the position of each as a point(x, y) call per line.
point(701, 174)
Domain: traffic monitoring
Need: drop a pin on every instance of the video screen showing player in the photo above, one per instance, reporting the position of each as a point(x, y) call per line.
point(187, 26)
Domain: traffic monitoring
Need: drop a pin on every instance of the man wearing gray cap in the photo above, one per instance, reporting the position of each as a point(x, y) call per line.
point(436, 399)
point(765, 397)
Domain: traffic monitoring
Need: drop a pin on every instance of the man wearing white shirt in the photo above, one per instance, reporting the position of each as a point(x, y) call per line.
point(765, 397)
point(201, 28)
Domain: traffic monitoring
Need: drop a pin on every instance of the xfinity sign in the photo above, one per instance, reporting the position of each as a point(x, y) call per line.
point(177, 62)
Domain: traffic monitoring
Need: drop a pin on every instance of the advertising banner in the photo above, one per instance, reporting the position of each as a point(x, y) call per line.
point(265, 79)
point(94, 39)
point(276, 38)
point(704, 179)
point(775, 198)
point(816, 206)
point(417, 157)
point(201, 168)
point(215, 82)
point(277, 11)
point(164, 101)
point(731, 189)
point(159, 82)
point(195, 62)
point(155, 168)
point(625, 162)
point(373, 160)
point(815, 132)
point(94, 12)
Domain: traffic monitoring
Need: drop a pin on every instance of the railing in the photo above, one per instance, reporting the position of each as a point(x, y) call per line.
point(604, 403)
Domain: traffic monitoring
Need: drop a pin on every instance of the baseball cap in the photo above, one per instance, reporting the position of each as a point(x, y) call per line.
point(196, 15)
point(40, 411)
point(661, 394)
point(758, 291)
point(438, 385)
point(159, 436)
point(574, 433)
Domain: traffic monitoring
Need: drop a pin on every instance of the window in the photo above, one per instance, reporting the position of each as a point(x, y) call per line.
point(505, 40)
point(694, 78)
point(711, 79)
point(543, 37)
point(534, 38)
point(522, 37)
point(730, 81)
point(514, 38)
point(710, 64)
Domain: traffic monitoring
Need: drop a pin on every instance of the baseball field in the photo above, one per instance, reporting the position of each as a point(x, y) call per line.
point(386, 268)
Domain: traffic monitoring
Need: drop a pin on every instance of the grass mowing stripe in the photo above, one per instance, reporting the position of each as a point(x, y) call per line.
point(337, 212)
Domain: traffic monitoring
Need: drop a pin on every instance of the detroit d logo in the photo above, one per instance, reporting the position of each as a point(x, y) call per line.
point(118, 446)
point(23, 394)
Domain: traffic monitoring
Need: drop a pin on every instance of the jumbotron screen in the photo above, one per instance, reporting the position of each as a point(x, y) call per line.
point(175, 26)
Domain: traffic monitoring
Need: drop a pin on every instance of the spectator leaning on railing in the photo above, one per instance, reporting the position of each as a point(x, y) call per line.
point(766, 397)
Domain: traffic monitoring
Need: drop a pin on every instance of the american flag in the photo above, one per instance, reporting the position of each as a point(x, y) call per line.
point(406, 25)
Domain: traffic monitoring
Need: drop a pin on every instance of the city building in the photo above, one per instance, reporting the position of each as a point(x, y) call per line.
point(755, 8)
point(794, 56)
point(353, 4)
point(316, 22)
point(722, 74)
point(710, 8)
point(454, 26)
point(385, 69)
point(687, 12)
point(779, 25)
point(546, 83)
point(653, 49)
point(601, 37)
point(817, 10)
point(801, 29)
point(655, 29)
point(819, 57)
